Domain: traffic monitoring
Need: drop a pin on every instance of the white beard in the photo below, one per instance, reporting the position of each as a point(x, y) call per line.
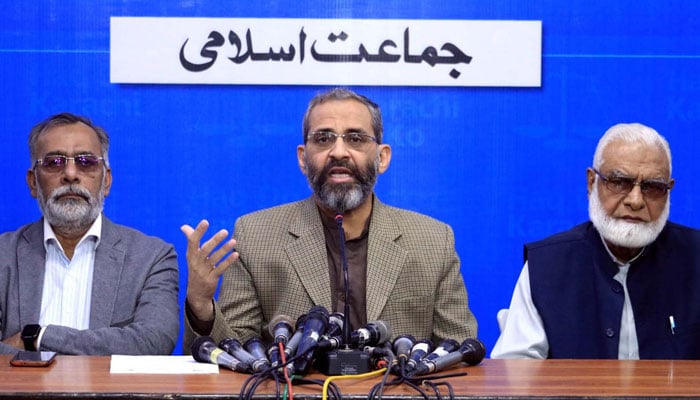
point(623, 233)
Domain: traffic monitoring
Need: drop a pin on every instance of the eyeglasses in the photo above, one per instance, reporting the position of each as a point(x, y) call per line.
point(57, 162)
point(354, 140)
point(652, 189)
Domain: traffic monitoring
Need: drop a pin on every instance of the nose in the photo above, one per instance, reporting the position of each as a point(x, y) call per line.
point(635, 198)
point(339, 149)
point(70, 172)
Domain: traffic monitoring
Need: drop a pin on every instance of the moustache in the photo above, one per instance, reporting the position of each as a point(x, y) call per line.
point(340, 164)
point(70, 190)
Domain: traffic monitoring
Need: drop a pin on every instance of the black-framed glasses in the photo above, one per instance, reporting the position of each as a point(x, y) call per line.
point(354, 140)
point(651, 188)
point(57, 162)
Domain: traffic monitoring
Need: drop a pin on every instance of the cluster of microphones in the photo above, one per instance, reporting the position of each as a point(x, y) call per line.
point(318, 339)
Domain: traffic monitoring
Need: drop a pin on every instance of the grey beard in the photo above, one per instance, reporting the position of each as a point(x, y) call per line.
point(71, 215)
point(346, 196)
point(342, 198)
point(622, 233)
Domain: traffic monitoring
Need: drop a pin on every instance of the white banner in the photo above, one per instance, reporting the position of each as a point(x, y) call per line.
point(325, 51)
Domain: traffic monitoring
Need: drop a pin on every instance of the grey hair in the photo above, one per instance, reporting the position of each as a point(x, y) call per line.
point(345, 94)
point(67, 119)
point(633, 132)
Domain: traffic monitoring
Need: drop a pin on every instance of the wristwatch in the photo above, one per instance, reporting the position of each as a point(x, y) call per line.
point(30, 334)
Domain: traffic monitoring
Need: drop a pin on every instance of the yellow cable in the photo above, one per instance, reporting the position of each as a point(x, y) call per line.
point(333, 378)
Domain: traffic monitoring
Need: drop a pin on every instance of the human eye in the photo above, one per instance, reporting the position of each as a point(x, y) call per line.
point(322, 137)
point(620, 183)
point(355, 138)
point(654, 188)
point(54, 161)
point(87, 160)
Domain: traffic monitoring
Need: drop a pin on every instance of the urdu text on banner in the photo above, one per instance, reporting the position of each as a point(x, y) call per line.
point(292, 51)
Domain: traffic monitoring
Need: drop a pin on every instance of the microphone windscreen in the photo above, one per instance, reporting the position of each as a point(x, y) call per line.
point(201, 348)
point(383, 330)
point(473, 351)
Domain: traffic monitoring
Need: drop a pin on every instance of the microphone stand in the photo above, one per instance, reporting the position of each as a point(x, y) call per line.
point(346, 280)
point(345, 361)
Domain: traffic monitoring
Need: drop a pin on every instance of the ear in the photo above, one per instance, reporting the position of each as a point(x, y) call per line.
point(31, 182)
point(108, 181)
point(301, 158)
point(590, 179)
point(384, 157)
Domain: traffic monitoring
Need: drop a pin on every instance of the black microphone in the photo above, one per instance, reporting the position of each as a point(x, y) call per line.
point(336, 321)
point(280, 328)
point(472, 351)
point(444, 347)
point(314, 327)
point(345, 360)
point(372, 334)
point(256, 347)
point(346, 278)
point(205, 350)
point(233, 347)
point(418, 352)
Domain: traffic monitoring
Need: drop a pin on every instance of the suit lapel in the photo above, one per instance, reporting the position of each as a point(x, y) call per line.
point(108, 268)
point(31, 259)
point(385, 259)
point(308, 253)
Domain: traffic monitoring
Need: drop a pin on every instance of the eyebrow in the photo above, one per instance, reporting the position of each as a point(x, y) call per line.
point(615, 173)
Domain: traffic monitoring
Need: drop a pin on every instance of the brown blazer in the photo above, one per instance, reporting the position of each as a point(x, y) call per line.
point(414, 281)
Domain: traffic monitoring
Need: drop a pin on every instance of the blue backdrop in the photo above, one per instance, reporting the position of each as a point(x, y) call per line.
point(503, 166)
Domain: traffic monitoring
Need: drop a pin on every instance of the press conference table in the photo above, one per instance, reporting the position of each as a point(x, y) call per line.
point(78, 377)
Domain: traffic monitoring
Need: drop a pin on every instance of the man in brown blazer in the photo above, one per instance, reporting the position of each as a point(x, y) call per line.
point(403, 267)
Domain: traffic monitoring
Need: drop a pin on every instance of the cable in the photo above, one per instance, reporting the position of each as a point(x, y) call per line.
point(338, 377)
point(286, 374)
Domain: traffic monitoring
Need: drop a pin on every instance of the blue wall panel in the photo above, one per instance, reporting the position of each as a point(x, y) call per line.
point(503, 166)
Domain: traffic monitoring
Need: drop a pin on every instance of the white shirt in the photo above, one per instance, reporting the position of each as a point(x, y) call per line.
point(524, 336)
point(67, 291)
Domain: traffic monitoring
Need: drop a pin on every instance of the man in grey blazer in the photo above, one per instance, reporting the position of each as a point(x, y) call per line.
point(74, 282)
point(403, 266)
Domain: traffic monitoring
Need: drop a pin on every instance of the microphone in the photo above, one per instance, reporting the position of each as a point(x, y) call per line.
point(256, 348)
point(233, 347)
point(280, 329)
point(294, 341)
point(315, 325)
point(444, 347)
point(204, 350)
point(372, 334)
point(345, 361)
point(403, 345)
point(335, 324)
point(472, 351)
point(419, 350)
point(346, 278)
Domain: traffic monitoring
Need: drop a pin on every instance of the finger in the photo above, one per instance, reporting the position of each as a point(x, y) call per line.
point(217, 256)
point(194, 236)
point(225, 264)
point(213, 242)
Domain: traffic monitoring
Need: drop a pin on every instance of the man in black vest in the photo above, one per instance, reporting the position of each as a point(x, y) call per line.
point(626, 284)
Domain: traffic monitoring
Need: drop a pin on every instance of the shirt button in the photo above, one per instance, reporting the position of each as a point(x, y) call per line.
point(609, 332)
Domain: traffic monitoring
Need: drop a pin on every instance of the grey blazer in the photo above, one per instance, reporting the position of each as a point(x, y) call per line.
point(135, 287)
point(414, 281)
